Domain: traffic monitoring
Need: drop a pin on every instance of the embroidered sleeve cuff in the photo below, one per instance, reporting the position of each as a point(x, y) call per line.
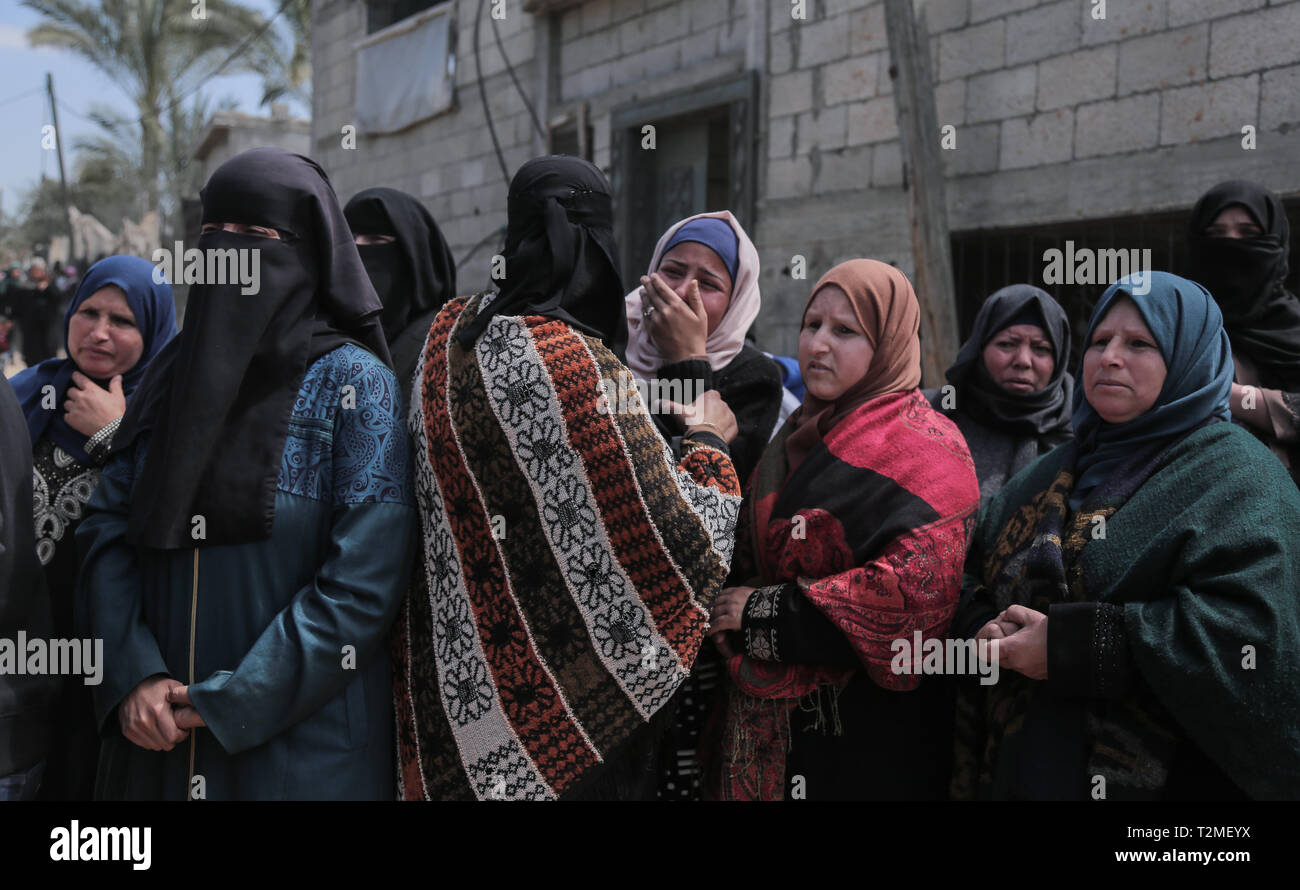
point(781, 624)
point(758, 623)
point(1087, 650)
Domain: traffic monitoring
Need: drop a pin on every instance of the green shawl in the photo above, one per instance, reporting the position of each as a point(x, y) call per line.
point(1181, 606)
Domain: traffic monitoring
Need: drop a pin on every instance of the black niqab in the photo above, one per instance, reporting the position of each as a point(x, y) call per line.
point(1246, 277)
point(414, 275)
point(559, 253)
point(1045, 413)
point(217, 400)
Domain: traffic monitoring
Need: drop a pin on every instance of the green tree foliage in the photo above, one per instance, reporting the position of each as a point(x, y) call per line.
point(159, 52)
point(286, 70)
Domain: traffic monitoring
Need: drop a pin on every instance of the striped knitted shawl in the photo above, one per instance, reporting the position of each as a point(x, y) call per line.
point(568, 564)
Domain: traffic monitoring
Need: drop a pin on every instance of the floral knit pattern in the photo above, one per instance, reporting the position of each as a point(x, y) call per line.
point(568, 564)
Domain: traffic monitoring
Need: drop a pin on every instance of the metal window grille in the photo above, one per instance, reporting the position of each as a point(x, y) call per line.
point(988, 259)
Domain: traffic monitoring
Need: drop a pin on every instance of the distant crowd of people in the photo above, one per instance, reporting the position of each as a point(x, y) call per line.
point(359, 536)
point(32, 299)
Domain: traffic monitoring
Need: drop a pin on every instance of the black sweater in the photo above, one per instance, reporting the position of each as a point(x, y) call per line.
point(750, 384)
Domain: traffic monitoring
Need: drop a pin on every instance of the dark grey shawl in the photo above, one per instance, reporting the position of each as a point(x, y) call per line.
point(1005, 431)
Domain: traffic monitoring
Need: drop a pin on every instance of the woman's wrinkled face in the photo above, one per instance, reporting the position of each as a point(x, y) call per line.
point(692, 261)
point(1020, 358)
point(1123, 370)
point(1234, 221)
point(834, 352)
point(103, 339)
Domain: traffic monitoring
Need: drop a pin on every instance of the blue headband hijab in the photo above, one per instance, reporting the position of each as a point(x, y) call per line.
point(1188, 328)
point(155, 315)
point(714, 234)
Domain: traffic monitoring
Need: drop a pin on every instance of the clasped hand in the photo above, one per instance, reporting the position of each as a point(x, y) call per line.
point(158, 714)
point(1021, 634)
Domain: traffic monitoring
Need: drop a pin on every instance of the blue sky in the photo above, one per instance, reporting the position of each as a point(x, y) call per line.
point(77, 85)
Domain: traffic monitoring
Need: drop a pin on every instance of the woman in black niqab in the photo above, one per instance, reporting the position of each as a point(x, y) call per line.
point(1246, 276)
point(559, 253)
point(414, 273)
point(217, 401)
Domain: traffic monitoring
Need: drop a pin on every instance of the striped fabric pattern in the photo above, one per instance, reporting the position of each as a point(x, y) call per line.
point(568, 563)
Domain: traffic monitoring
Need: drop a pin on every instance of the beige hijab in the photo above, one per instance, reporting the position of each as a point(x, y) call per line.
point(724, 344)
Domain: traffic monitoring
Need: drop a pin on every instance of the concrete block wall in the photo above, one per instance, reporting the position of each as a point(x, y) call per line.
point(448, 161)
point(617, 51)
point(831, 173)
point(1060, 114)
point(611, 52)
point(1057, 115)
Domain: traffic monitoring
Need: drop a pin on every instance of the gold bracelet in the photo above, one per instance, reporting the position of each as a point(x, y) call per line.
point(711, 426)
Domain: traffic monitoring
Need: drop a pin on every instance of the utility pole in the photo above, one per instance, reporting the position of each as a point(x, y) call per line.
point(63, 179)
point(918, 130)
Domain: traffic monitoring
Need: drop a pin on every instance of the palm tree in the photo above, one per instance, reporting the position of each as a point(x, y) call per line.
point(158, 52)
point(111, 158)
point(107, 166)
point(287, 70)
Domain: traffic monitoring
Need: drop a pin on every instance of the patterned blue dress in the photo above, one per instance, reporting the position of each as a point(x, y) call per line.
point(283, 640)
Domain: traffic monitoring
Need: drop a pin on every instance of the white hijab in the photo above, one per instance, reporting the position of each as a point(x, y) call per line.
point(724, 344)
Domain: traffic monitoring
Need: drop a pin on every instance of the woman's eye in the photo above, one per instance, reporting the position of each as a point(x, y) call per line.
point(846, 330)
point(812, 325)
point(1101, 341)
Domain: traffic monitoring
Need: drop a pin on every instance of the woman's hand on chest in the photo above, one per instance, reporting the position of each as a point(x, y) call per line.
point(88, 408)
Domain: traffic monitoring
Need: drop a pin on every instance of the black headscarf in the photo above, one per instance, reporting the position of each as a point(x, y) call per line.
point(218, 398)
point(1045, 413)
point(560, 251)
point(1246, 278)
point(414, 275)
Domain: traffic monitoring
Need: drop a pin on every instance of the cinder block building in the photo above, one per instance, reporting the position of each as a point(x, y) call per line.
point(1097, 122)
point(230, 132)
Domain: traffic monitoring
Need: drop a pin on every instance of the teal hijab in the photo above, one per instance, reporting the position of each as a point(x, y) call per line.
point(1188, 327)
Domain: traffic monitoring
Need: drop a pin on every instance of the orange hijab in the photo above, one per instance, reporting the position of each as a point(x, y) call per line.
point(887, 309)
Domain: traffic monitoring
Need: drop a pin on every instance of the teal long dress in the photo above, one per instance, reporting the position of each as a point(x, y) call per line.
point(282, 640)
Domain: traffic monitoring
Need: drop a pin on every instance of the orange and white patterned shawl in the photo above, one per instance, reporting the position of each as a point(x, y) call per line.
point(569, 564)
